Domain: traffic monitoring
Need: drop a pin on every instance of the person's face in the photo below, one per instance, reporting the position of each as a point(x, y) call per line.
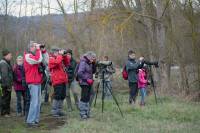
point(8, 57)
point(105, 59)
point(20, 61)
point(92, 60)
point(132, 56)
point(33, 48)
point(56, 53)
point(69, 55)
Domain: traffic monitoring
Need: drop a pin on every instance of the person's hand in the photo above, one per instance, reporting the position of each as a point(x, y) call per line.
point(141, 58)
point(37, 46)
point(61, 52)
point(90, 81)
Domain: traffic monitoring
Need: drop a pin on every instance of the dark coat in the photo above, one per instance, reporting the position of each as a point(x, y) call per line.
point(71, 70)
point(18, 78)
point(132, 67)
point(6, 73)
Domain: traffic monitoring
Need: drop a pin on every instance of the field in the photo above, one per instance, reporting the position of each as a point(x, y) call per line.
point(171, 115)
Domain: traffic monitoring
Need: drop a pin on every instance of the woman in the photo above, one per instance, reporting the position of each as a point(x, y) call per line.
point(18, 86)
point(86, 70)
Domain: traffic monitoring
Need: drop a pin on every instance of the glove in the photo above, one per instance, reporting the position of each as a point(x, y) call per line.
point(90, 81)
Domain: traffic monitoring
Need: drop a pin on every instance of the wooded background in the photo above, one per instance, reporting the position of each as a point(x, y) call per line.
point(163, 30)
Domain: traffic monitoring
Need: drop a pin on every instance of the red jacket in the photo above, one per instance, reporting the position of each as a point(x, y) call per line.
point(31, 64)
point(56, 67)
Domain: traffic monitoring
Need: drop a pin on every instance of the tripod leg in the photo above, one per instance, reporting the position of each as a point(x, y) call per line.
point(96, 94)
point(115, 99)
point(103, 95)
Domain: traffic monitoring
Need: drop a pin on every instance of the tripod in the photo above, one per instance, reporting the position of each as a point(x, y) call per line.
point(153, 85)
point(103, 94)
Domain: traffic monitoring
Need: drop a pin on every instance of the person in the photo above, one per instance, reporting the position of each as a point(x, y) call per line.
point(6, 74)
point(86, 70)
point(132, 67)
point(18, 86)
point(142, 84)
point(108, 76)
point(33, 75)
point(72, 82)
point(59, 79)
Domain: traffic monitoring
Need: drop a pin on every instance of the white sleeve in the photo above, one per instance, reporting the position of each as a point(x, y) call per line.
point(33, 61)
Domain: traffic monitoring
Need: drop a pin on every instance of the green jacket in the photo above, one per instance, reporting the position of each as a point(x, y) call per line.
point(6, 73)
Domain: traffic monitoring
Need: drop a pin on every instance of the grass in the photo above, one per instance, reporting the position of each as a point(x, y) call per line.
point(170, 116)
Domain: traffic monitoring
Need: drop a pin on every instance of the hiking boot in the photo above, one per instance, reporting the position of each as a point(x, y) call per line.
point(7, 116)
point(55, 115)
point(32, 125)
point(84, 117)
point(61, 114)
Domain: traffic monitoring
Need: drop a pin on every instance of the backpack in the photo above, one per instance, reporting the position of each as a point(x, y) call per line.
point(124, 73)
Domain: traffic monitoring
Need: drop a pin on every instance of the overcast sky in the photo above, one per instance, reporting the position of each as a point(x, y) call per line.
point(34, 7)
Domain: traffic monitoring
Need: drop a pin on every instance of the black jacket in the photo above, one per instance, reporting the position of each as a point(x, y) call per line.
point(71, 70)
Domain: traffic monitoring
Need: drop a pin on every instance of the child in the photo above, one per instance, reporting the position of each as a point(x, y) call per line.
point(142, 84)
point(19, 88)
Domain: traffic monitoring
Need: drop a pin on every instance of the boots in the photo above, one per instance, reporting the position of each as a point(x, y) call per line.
point(60, 108)
point(88, 110)
point(83, 107)
point(54, 110)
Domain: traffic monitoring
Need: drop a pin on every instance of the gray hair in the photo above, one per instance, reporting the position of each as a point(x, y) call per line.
point(31, 44)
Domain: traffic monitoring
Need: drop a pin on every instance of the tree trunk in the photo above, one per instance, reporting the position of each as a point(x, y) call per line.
point(160, 33)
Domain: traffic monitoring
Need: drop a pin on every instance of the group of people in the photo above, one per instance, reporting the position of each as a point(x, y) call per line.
point(37, 68)
point(137, 76)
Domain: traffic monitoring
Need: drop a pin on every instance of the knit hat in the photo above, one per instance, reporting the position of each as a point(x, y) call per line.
point(54, 49)
point(5, 52)
point(90, 55)
point(19, 57)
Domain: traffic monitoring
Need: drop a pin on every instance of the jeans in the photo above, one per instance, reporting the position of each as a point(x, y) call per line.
point(133, 91)
point(19, 95)
point(143, 94)
point(35, 103)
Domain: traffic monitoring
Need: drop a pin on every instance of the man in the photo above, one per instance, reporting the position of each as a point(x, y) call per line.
point(33, 74)
point(132, 66)
point(71, 81)
point(6, 78)
point(86, 70)
point(59, 79)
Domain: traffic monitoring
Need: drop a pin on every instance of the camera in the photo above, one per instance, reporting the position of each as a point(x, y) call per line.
point(64, 52)
point(42, 46)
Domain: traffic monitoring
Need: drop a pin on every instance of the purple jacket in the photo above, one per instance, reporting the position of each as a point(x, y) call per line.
point(18, 76)
point(85, 71)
